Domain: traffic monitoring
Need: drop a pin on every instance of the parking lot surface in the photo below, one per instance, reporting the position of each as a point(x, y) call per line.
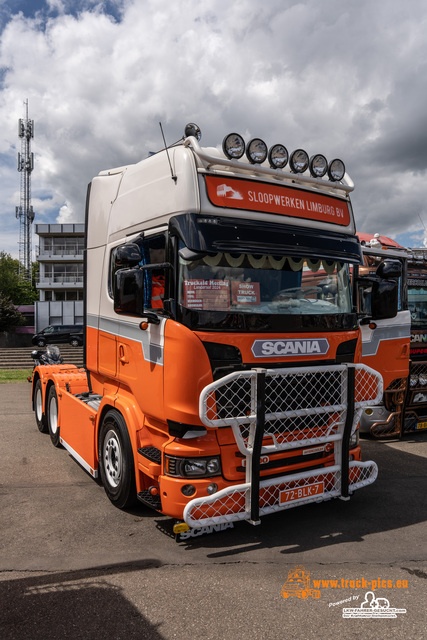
point(73, 566)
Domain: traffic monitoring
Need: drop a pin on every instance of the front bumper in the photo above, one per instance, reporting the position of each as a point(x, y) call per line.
point(234, 503)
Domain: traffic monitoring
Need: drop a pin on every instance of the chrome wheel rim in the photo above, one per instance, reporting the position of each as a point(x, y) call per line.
point(53, 415)
point(39, 404)
point(112, 458)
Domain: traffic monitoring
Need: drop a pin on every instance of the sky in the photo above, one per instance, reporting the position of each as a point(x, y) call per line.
point(345, 78)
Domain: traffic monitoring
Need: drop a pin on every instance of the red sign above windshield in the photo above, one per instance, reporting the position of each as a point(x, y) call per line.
point(269, 198)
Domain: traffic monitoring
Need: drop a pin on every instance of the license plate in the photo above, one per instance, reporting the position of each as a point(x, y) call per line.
point(300, 493)
point(421, 425)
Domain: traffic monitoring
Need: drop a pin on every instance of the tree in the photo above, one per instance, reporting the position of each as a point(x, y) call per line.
point(12, 284)
point(9, 316)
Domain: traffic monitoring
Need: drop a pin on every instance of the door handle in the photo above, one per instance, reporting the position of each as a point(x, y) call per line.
point(123, 354)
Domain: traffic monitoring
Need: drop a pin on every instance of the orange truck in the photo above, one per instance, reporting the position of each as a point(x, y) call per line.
point(385, 341)
point(223, 376)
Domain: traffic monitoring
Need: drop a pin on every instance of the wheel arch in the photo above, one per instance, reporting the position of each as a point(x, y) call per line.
point(36, 377)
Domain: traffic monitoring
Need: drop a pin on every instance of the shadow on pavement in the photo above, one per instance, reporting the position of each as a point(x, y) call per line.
point(76, 604)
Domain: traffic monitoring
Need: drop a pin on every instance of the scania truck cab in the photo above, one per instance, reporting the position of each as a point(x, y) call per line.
point(223, 378)
point(385, 340)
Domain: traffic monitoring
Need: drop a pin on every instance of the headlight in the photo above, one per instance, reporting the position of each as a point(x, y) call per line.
point(413, 380)
point(192, 467)
point(278, 156)
point(233, 146)
point(318, 166)
point(354, 439)
point(422, 380)
point(256, 151)
point(298, 161)
point(336, 170)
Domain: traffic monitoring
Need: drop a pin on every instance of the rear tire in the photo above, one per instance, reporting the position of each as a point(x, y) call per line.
point(41, 343)
point(52, 416)
point(116, 464)
point(38, 408)
point(74, 342)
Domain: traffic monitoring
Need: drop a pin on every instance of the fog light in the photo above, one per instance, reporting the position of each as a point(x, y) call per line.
point(422, 380)
point(188, 490)
point(413, 380)
point(212, 488)
point(354, 440)
point(369, 412)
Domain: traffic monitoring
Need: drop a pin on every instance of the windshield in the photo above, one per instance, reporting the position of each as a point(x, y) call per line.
point(264, 284)
point(417, 303)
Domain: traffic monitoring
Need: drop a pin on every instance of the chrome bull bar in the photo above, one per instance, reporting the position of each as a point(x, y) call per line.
point(273, 410)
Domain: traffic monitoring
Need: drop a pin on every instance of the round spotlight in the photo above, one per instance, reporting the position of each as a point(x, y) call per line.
point(318, 165)
point(256, 151)
point(192, 129)
point(336, 170)
point(212, 488)
point(188, 490)
point(233, 146)
point(413, 380)
point(278, 156)
point(298, 161)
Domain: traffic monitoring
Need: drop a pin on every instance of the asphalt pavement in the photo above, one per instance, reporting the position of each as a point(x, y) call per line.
point(73, 566)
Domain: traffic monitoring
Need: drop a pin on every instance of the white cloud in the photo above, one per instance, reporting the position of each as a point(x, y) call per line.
point(341, 78)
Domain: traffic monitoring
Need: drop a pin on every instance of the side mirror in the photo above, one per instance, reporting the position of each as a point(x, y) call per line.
point(389, 269)
point(129, 292)
point(127, 255)
point(384, 299)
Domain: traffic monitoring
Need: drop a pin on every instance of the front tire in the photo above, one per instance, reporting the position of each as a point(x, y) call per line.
point(38, 408)
point(116, 464)
point(52, 416)
point(41, 342)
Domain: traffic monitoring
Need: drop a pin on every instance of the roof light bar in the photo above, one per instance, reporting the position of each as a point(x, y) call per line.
point(234, 148)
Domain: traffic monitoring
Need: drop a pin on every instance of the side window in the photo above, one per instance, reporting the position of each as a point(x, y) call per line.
point(153, 252)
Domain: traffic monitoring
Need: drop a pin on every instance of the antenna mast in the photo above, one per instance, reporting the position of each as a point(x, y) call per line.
point(24, 212)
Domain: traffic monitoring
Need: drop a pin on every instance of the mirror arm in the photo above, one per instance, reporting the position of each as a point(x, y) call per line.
point(161, 265)
point(149, 317)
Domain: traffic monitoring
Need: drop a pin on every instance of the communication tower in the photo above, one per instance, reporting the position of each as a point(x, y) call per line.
point(24, 212)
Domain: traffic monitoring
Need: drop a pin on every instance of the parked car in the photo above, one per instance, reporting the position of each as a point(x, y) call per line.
point(59, 334)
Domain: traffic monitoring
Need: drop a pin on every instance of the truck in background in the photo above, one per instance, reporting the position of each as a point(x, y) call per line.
point(416, 398)
point(385, 341)
point(405, 408)
point(223, 378)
